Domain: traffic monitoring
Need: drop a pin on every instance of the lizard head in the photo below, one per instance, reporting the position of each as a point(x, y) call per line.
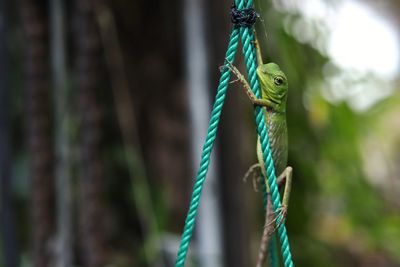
point(273, 82)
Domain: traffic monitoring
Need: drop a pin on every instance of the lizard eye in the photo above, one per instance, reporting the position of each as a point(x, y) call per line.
point(278, 80)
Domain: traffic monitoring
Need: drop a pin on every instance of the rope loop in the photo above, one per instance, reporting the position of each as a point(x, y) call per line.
point(243, 17)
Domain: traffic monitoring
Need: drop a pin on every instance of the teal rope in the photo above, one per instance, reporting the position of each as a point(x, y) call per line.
point(265, 196)
point(251, 63)
point(208, 145)
point(273, 255)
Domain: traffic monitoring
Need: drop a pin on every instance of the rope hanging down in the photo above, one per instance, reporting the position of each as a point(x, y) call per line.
point(241, 27)
point(251, 66)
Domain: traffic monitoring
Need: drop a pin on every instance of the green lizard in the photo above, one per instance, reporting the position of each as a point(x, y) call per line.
point(274, 89)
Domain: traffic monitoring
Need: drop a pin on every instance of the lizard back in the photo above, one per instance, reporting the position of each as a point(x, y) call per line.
point(278, 139)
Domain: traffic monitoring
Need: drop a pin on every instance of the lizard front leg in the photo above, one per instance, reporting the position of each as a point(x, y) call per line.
point(246, 87)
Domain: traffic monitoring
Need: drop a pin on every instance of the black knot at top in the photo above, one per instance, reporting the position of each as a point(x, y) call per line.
point(244, 17)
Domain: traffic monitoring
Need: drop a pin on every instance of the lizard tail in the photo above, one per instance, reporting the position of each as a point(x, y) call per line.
point(266, 236)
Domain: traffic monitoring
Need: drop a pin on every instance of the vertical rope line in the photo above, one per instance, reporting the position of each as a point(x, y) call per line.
point(207, 148)
point(273, 259)
point(273, 255)
point(251, 65)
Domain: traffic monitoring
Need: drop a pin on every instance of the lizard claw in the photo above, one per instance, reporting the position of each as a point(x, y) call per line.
point(229, 66)
point(280, 217)
point(222, 68)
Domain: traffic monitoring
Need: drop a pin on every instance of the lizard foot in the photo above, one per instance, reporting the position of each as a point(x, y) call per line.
point(255, 172)
point(280, 216)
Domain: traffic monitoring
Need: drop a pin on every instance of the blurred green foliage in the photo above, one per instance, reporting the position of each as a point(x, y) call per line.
point(344, 207)
point(337, 217)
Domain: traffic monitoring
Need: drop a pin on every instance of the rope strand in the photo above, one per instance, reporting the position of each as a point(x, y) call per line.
point(251, 64)
point(207, 148)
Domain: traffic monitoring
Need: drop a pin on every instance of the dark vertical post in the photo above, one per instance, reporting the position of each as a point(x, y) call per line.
point(38, 128)
point(88, 60)
point(6, 201)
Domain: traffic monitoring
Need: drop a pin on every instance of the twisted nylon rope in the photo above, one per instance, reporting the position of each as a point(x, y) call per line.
point(208, 145)
point(251, 63)
point(273, 255)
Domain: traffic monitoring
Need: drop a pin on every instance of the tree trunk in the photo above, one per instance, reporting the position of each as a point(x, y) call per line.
point(6, 200)
point(40, 149)
point(88, 60)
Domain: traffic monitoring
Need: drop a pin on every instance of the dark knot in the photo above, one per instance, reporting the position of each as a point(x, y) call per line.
point(244, 17)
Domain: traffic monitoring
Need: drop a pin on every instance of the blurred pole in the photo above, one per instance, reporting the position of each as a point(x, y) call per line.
point(6, 202)
point(62, 144)
point(38, 129)
point(88, 57)
point(208, 228)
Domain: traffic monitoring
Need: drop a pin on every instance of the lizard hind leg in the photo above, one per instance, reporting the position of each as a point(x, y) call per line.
point(271, 217)
point(285, 176)
point(255, 173)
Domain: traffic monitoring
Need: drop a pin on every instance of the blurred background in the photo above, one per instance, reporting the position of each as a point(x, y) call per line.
point(104, 107)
